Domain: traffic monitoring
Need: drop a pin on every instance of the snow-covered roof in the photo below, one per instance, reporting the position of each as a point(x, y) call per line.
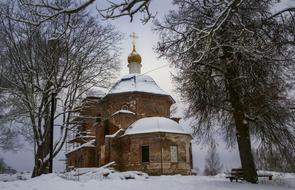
point(115, 134)
point(81, 138)
point(88, 144)
point(154, 124)
point(137, 83)
point(96, 92)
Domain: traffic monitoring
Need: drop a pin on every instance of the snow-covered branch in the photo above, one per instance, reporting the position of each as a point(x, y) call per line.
point(127, 8)
point(289, 9)
point(52, 11)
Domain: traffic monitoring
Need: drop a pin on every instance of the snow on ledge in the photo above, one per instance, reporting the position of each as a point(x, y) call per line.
point(82, 137)
point(123, 111)
point(115, 134)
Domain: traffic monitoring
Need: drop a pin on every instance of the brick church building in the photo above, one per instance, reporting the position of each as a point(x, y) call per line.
point(130, 125)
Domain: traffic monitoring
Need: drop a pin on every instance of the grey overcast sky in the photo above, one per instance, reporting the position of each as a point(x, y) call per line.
point(147, 39)
point(23, 159)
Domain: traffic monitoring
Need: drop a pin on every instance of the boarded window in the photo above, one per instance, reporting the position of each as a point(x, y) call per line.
point(81, 162)
point(145, 154)
point(173, 153)
point(98, 118)
point(106, 128)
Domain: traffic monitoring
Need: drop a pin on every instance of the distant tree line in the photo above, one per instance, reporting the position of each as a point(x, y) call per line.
point(273, 160)
point(4, 168)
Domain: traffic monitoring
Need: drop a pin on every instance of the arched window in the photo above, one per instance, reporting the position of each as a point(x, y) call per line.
point(124, 107)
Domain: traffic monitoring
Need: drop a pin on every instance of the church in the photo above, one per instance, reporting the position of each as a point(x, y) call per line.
point(131, 126)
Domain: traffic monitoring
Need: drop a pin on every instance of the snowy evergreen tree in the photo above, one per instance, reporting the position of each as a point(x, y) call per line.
point(235, 65)
point(213, 165)
point(2, 165)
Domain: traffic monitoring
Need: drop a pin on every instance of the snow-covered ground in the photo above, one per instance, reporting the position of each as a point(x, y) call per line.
point(106, 180)
point(14, 177)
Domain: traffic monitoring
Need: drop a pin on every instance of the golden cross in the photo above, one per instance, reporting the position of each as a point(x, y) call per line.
point(133, 37)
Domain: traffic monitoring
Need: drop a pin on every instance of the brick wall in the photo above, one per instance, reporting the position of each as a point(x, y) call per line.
point(128, 156)
point(84, 157)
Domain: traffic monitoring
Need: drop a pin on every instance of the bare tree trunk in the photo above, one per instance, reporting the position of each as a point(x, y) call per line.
point(41, 164)
point(243, 135)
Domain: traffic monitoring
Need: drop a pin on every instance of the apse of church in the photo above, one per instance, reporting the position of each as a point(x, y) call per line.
point(131, 125)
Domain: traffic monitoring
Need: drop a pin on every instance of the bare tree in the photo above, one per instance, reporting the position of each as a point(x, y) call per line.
point(213, 165)
point(47, 10)
point(235, 61)
point(66, 59)
point(8, 138)
point(50, 10)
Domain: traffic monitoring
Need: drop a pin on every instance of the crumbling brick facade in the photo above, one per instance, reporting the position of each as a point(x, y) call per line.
point(167, 153)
